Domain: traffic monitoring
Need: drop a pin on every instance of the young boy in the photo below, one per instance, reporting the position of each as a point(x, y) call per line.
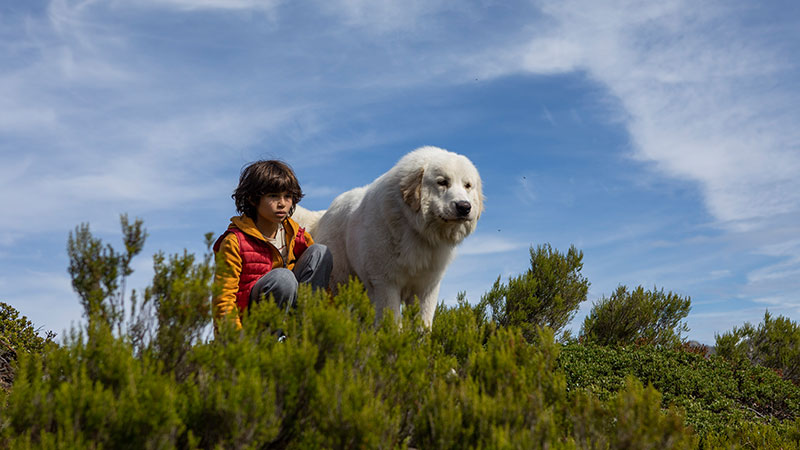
point(264, 251)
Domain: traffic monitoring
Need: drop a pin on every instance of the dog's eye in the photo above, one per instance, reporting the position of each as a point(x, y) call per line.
point(467, 185)
point(443, 182)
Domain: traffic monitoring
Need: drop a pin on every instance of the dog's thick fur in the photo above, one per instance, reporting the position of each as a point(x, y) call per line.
point(399, 233)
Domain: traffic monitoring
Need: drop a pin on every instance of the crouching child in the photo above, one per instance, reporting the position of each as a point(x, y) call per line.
point(264, 252)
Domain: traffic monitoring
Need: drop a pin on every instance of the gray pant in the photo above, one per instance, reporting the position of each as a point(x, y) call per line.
point(313, 267)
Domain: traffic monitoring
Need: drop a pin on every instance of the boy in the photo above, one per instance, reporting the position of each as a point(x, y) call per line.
point(264, 251)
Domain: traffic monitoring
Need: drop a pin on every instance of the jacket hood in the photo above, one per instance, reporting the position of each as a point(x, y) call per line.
point(247, 226)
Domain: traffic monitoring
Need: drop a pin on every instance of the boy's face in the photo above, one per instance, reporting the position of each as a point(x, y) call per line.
point(274, 207)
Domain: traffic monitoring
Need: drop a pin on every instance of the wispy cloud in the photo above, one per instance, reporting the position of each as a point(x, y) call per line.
point(109, 134)
point(704, 96)
point(236, 5)
point(526, 192)
point(382, 15)
point(548, 116)
point(697, 92)
point(483, 244)
point(155, 105)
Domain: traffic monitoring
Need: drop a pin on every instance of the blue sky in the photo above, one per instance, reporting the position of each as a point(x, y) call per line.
point(660, 138)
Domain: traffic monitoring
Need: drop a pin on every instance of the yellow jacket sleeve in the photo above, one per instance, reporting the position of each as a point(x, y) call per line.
point(226, 276)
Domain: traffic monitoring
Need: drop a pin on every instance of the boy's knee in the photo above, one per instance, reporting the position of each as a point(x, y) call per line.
point(284, 280)
point(323, 253)
point(280, 283)
point(285, 288)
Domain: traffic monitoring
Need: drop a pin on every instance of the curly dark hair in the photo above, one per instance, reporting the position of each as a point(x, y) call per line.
point(265, 177)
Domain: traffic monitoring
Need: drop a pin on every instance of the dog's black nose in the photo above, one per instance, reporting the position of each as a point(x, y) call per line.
point(463, 208)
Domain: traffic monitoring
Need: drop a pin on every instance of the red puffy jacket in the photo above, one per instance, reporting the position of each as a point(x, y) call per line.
point(244, 256)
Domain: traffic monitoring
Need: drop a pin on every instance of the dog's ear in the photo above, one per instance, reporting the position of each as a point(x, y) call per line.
point(411, 188)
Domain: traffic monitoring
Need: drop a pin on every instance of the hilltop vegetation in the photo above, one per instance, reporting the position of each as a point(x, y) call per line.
point(143, 373)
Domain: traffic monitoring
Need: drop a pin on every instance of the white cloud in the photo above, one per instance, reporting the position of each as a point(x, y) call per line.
point(156, 165)
point(717, 274)
point(482, 244)
point(526, 192)
point(19, 116)
point(105, 133)
point(782, 302)
point(778, 281)
point(705, 97)
point(198, 5)
point(552, 55)
point(118, 112)
point(383, 15)
point(698, 94)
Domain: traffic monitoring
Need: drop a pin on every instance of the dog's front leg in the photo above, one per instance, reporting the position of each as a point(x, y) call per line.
point(427, 305)
point(385, 297)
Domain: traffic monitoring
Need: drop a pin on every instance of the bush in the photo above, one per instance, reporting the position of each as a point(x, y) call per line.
point(17, 335)
point(341, 381)
point(774, 344)
point(335, 382)
point(99, 272)
point(338, 380)
point(90, 392)
point(638, 316)
point(716, 396)
point(548, 294)
point(636, 420)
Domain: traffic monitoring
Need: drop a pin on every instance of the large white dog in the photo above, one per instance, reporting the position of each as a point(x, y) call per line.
point(399, 233)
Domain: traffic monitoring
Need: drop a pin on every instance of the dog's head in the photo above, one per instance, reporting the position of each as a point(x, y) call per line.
point(443, 190)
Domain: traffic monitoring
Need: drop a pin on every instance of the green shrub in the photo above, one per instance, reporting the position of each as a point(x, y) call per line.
point(338, 380)
point(774, 344)
point(638, 316)
point(341, 381)
point(17, 335)
point(99, 272)
point(548, 294)
point(632, 418)
point(715, 395)
point(91, 391)
point(180, 299)
point(755, 436)
point(18, 332)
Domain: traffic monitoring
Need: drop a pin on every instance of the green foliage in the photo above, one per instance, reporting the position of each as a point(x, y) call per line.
point(89, 391)
point(17, 335)
point(506, 394)
point(339, 380)
point(180, 296)
point(633, 418)
point(638, 316)
point(548, 294)
point(99, 272)
point(174, 311)
point(716, 396)
point(774, 344)
point(756, 436)
point(459, 330)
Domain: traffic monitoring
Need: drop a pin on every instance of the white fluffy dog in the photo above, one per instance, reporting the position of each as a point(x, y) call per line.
point(399, 233)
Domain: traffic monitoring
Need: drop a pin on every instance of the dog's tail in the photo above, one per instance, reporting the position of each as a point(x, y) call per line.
point(307, 219)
